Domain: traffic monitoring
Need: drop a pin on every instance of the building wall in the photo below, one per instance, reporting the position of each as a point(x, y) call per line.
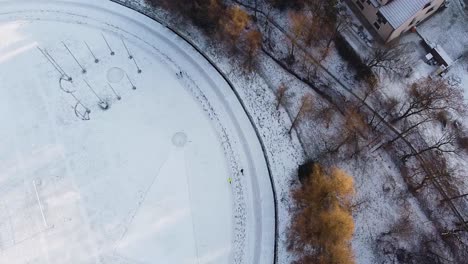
point(369, 11)
point(385, 30)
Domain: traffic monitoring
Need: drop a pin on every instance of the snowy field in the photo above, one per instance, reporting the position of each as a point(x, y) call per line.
point(120, 144)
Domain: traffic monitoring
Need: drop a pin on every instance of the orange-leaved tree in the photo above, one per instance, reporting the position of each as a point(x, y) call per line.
point(322, 225)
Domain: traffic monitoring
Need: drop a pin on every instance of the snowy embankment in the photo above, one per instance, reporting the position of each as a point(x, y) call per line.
point(94, 171)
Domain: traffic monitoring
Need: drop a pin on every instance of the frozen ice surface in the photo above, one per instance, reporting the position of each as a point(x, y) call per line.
point(144, 181)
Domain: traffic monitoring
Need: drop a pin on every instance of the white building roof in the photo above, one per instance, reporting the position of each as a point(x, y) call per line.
point(443, 55)
point(398, 12)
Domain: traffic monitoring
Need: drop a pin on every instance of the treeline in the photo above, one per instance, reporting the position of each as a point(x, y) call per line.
point(229, 24)
point(313, 22)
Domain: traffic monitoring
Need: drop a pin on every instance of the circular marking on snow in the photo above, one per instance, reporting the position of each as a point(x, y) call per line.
point(179, 139)
point(38, 182)
point(115, 75)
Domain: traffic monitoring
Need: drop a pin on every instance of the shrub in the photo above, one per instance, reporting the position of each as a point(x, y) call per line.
point(442, 117)
point(463, 142)
point(285, 4)
point(363, 72)
point(206, 14)
point(305, 170)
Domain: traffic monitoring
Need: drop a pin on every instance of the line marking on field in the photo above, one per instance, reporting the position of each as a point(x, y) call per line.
point(40, 204)
point(30, 237)
point(190, 196)
point(142, 200)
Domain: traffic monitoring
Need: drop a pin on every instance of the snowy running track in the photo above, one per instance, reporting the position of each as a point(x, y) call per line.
point(117, 144)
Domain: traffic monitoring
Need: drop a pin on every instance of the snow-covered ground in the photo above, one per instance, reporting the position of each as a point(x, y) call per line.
point(170, 173)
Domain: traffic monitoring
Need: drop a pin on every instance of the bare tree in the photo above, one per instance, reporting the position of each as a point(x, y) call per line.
point(304, 109)
point(298, 28)
point(253, 43)
point(325, 114)
point(425, 172)
point(407, 129)
point(255, 8)
point(281, 95)
point(354, 127)
point(370, 86)
point(234, 24)
point(429, 96)
point(395, 61)
point(456, 197)
point(339, 24)
point(444, 144)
